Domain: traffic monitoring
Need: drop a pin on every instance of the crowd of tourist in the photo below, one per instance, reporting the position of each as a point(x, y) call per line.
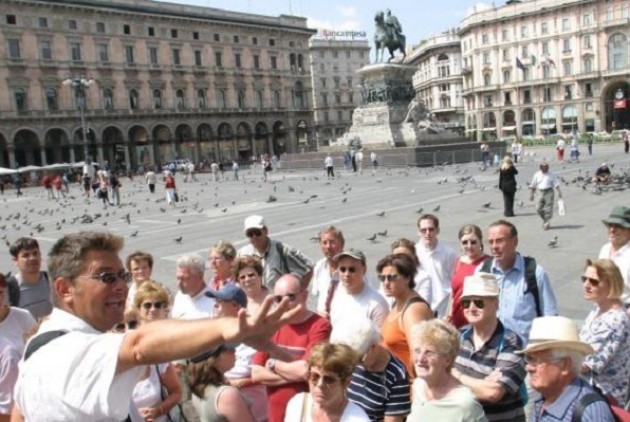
point(445, 337)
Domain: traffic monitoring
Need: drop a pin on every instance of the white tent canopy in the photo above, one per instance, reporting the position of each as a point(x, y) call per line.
point(29, 168)
point(5, 171)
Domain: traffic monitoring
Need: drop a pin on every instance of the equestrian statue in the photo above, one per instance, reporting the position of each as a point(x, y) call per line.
point(388, 33)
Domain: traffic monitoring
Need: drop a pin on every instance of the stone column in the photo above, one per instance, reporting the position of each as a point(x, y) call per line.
point(252, 142)
point(12, 162)
point(127, 158)
point(72, 157)
point(42, 154)
point(270, 144)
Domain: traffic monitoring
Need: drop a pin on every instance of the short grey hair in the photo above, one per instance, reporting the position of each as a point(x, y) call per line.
point(577, 358)
point(192, 262)
point(358, 333)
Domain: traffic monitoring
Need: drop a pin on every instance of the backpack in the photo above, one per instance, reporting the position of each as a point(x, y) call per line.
point(13, 288)
point(619, 413)
point(530, 279)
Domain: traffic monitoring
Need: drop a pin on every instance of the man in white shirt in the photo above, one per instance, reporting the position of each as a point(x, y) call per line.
point(438, 260)
point(191, 301)
point(354, 296)
point(74, 369)
point(545, 181)
point(328, 163)
point(331, 242)
point(618, 249)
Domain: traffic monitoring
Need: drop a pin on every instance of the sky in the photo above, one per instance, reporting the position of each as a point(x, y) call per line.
point(419, 19)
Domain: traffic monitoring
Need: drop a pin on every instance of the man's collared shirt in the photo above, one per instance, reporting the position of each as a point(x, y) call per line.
point(277, 260)
point(517, 309)
point(498, 353)
point(195, 307)
point(369, 303)
point(563, 407)
point(544, 181)
point(440, 264)
point(73, 377)
point(622, 259)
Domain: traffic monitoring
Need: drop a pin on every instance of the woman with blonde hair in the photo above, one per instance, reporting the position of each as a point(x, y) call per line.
point(330, 372)
point(437, 394)
point(221, 259)
point(507, 184)
point(160, 390)
point(607, 329)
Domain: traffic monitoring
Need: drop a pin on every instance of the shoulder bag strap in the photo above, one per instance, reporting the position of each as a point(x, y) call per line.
point(584, 402)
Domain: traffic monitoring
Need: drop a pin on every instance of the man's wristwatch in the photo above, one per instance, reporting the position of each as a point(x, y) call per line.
point(271, 364)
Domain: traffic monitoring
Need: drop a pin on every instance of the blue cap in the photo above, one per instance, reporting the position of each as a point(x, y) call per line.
point(230, 292)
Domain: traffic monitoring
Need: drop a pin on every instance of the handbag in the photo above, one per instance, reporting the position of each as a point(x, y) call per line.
point(561, 210)
point(178, 412)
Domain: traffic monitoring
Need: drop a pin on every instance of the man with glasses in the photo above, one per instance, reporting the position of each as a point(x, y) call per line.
point(283, 366)
point(355, 297)
point(73, 348)
point(277, 257)
point(325, 274)
point(191, 301)
point(487, 362)
point(438, 260)
point(554, 358)
point(618, 249)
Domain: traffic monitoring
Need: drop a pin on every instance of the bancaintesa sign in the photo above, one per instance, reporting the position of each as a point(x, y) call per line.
point(341, 33)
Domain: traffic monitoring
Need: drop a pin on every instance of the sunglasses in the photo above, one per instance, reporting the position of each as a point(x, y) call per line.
point(388, 277)
point(479, 303)
point(469, 242)
point(347, 270)
point(252, 233)
point(121, 327)
point(327, 380)
point(594, 282)
point(291, 296)
point(109, 277)
point(157, 305)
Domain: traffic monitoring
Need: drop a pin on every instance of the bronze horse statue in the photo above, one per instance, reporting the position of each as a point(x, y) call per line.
point(385, 36)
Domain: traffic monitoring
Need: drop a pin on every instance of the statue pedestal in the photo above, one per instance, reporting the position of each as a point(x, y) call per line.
point(387, 92)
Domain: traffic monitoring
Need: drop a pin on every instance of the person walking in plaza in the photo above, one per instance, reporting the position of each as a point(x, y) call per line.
point(485, 153)
point(589, 143)
point(47, 184)
point(626, 141)
point(545, 182)
point(574, 149)
point(507, 185)
point(170, 188)
point(235, 169)
point(374, 161)
point(151, 179)
point(57, 183)
point(328, 163)
point(560, 146)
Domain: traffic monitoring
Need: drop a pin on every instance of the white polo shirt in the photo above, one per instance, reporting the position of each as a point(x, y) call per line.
point(73, 378)
point(192, 307)
point(369, 303)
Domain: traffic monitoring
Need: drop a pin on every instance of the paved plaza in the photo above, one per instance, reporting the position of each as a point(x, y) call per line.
point(296, 205)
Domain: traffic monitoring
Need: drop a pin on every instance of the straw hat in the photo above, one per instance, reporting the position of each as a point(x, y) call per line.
point(481, 284)
point(555, 332)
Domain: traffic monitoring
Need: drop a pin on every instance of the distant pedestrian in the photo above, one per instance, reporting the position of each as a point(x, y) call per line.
point(589, 143)
point(87, 185)
point(114, 185)
point(560, 146)
point(328, 163)
point(191, 171)
point(626, 141)
point(346, 160)
point(169, 186)
point(507, 185)
point(359, 160)
point(1, 186)
point(545, 181)
point(575, 151)
point(57, 183)
point(353, 159)
point(47, 184)
point(17, 182)
point(151, 179)
point(235, 168)
point(485, 153)
point(374, 161)
point(66, 179)
point(214, 168)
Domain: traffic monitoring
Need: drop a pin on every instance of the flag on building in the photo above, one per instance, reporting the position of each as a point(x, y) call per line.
point(551, 62)
point(532, 60)
point(519, 64)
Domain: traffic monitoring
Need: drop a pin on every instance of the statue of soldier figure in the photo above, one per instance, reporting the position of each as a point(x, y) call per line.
point(388, 33)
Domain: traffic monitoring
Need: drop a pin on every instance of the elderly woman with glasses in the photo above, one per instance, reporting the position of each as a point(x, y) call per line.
point(160, 390)
point(396, 273)
point(437, 394)
point(212, 397)
point(248, 272)
point(606, 329)
point(330, 372)
point(471, 241)
point(221, 260)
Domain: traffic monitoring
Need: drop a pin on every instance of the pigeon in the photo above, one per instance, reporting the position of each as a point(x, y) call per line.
point(272, 198)
point(380, 214)
point(487, 204)
point(134, 234)
point(179, 221)
point(291, 189)
point(383, 233)
point(553, 242)
point(128, 218)
point(419, 210)
point(306, 201)
point(344, 200)
point(436, 209)
point(372, 238)
point(179, 239)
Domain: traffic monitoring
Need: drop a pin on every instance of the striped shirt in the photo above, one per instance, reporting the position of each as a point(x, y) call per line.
point(563, 407)
point(381, 394)
point(497, 354)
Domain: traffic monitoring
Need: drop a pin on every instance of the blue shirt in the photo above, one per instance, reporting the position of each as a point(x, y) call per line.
point(563, 407)
point(517, 310)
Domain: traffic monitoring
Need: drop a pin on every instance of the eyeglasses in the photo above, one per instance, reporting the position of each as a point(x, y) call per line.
point(347, 270)
point(530, 360)
point(388, 277)
point(122, 326)
point(427, 229)
point(252, 233)
point(246, 276)
point(479, 303)
point(613, 226)
point(594, 282)
point(469, 242)
point(109, 277)
point(291, 296)
point(327, 380)
point(157, 305)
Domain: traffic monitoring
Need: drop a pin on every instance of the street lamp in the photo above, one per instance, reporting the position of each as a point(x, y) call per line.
point(79, 85)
